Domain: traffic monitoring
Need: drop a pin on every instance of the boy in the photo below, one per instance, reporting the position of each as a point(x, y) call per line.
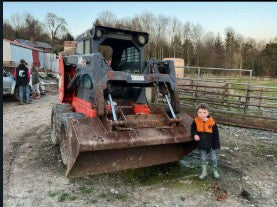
point(205, 131)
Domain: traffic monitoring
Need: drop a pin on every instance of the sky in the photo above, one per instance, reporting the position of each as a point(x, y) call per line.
point(257, 20)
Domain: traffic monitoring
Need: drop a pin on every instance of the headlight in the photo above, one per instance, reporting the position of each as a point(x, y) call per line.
point(99, 33)
point(141, 39)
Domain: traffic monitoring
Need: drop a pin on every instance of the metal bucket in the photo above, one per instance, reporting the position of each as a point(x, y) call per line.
point(93, 146)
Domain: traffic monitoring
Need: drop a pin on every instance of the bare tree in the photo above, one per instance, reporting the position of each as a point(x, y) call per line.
point(219, 52)
point(239, 50)
point(170, 37)
point(107, 18)
point(16, 21)
point(135, 24)
point(175, 40)
point(33, 27)
point(147, 21)
point(8, 31)
point(197, 33)
point(57, 26)
point(24, 26)
point(161, 29)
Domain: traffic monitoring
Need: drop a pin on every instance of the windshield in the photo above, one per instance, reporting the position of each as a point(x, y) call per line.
point(130, 61)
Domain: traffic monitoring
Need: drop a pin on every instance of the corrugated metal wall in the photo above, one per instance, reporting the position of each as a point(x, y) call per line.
point(46, 61)
point(55, 66)
point(7, 56)
point(50, 62)
point(41, 58)
point(14, 53)
point(18, 53)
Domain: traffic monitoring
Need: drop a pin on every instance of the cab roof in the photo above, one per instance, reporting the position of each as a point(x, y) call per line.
point(108, 31)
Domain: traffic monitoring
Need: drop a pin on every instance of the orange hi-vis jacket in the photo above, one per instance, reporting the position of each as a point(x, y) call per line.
point(206, 126)
point(207, 131)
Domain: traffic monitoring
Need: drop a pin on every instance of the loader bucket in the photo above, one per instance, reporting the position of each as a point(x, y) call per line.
point(148, 140)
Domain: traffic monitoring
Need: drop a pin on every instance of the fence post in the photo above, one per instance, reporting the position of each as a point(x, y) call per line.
point(195, 95)
point(260, 99)
point(192, 82)
point(224, 94)
point(247, 99)
point(199, 72)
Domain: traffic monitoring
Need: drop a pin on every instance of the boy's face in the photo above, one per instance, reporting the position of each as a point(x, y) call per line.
point(202, 114)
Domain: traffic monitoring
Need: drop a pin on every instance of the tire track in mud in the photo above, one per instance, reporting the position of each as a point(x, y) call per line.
point(15, 152)
point(19, 123)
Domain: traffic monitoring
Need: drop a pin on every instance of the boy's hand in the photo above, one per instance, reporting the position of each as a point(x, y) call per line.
point(196, 137)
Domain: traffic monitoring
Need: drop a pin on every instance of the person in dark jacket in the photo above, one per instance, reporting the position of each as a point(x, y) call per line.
point(205, 131)
point(22, 75)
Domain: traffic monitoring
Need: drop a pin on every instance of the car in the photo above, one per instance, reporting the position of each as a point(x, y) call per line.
point(11, 89)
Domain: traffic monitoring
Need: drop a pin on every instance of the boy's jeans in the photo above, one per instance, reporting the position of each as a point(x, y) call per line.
point(21, 88)
point(204, 156)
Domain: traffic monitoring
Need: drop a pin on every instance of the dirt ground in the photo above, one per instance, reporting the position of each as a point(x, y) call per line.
point(34, 173)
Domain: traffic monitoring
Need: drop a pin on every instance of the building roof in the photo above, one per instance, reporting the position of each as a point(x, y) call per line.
point(36, 44)
point(22, 45)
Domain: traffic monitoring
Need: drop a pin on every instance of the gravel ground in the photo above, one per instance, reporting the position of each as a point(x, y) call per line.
point(34, 173)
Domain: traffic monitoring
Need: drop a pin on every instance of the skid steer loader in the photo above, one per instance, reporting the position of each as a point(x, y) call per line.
point(102, 120)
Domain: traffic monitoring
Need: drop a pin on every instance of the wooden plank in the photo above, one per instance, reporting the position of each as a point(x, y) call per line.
point(233, 119)
point(220, 94)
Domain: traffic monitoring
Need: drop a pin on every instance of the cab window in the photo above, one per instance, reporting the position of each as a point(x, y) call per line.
point(85, 82)
point(80, 48)
point(87, 46)
point(130, 55)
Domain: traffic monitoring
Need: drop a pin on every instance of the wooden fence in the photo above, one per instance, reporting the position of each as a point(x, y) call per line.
point(240, 104)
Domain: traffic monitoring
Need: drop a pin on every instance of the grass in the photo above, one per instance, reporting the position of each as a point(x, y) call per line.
point(156, 174)
point(61, 168)
point(103, 195)
point(62, 196)
point(90, 180)
point(66, 196)
point(269, 83)
point(121, 196)
point(52, 194)
point(75, 180)
point(86, 190)
point(93, 200)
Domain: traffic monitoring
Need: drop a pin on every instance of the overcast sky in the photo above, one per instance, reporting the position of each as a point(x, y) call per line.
point(251, 19)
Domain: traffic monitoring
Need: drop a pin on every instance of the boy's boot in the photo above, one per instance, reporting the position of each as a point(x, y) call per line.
point(204, 172)
point(216, 174)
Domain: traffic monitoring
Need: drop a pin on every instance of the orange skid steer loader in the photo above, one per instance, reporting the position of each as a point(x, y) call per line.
point(102, 121)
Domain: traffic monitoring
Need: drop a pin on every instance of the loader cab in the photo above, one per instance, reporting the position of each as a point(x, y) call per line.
point(122, 49)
